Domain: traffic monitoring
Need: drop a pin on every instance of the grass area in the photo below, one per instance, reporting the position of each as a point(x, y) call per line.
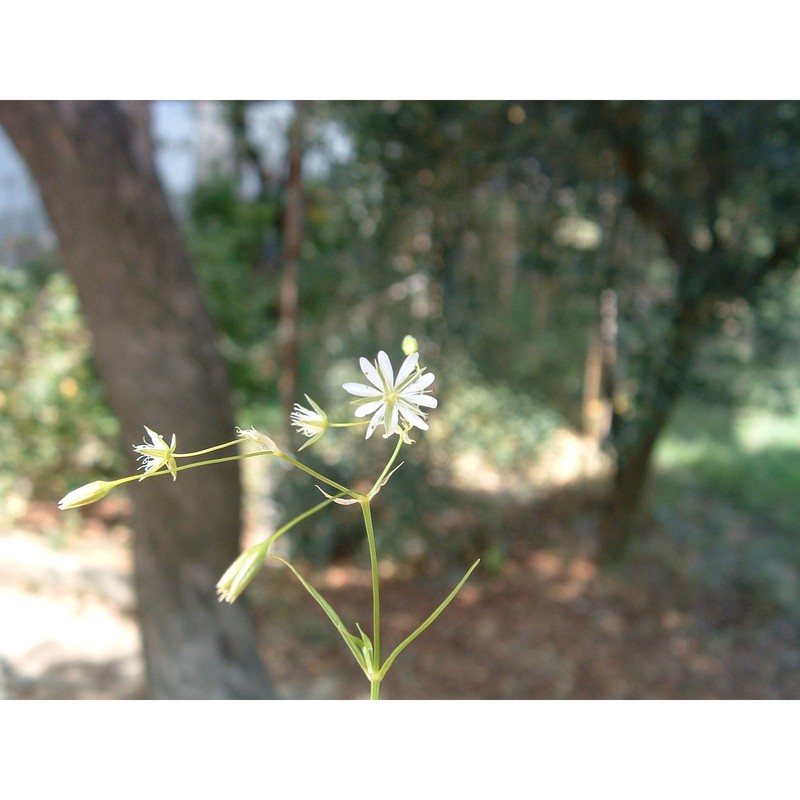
point(752, 458)
point(730, 485)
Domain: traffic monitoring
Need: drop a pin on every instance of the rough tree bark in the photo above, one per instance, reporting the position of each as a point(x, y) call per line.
point(154, 349)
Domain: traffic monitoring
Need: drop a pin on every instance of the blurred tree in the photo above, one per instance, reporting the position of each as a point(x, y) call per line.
point(530, 224)
point(154, 348)
point(583, 254)
point(719, 185)
point(246, 153)
point(234, 244)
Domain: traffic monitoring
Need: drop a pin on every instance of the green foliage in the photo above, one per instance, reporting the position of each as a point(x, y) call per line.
point(506, 428)
point(235, 247)
point(55, 427)
point(752, 457)
point(493, 227)
point(746, 464)
point(503, 430)
point(489, 230)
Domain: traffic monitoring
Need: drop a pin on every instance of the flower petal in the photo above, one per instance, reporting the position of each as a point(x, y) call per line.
point(407, 368)
point(376, 420)
point(391, 423)
point(421, 400)
point(316, 408)
point(410, 415)
point(362, 390)
point(423, 382)
point(155, 438)
point(315, 438)
point(371, 373)
point(262, 439)
point(386, 370)
point(369, 407)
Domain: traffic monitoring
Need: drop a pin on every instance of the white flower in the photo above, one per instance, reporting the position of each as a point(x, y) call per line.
point(263, 441)
point(310, 423)
point(155, 454)
point(389, 399)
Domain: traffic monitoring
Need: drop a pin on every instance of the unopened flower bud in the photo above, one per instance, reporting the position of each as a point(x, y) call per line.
point(241, 572)
point(410, 345)
point(90, 493)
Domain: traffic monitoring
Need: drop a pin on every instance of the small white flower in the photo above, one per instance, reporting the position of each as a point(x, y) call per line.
point(263, 441)
point(155, 454)
point(389, 399)
point(311, 423)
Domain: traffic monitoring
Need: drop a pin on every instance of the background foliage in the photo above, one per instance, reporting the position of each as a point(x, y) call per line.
point(54, 425)
point(490, 231)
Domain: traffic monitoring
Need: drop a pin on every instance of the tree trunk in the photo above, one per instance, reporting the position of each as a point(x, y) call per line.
point(638, 438)
point(154, 349)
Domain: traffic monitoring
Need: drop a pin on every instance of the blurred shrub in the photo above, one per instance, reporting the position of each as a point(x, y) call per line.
point(55, 428)
point(506, 427)
point(236, 248)
point(730, 483)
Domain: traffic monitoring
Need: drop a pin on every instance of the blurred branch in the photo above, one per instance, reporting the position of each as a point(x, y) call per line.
point(292, 238)
point(245, 149)
point(627, 137)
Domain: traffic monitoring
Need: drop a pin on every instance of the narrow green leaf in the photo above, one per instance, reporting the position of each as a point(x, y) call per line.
point(353, 642)
point(407, 641)
point(366, 649)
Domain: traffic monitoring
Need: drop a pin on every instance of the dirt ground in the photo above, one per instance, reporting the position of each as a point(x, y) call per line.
point(548, 625)
point(543, 621)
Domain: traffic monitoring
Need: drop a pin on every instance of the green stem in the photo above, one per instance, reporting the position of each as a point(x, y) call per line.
point(298, 464)
point(299, 518)
point(192, 466)
point(377, 485)
point(208, 461)
point(375, 679)
point(207, 450)
point(319, 477)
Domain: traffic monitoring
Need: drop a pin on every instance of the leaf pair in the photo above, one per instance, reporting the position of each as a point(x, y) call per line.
point(361, 648)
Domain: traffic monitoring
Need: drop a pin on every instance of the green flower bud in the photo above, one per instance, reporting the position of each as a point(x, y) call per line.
point(90, 493)
point(410, 345)
point(241, 572)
